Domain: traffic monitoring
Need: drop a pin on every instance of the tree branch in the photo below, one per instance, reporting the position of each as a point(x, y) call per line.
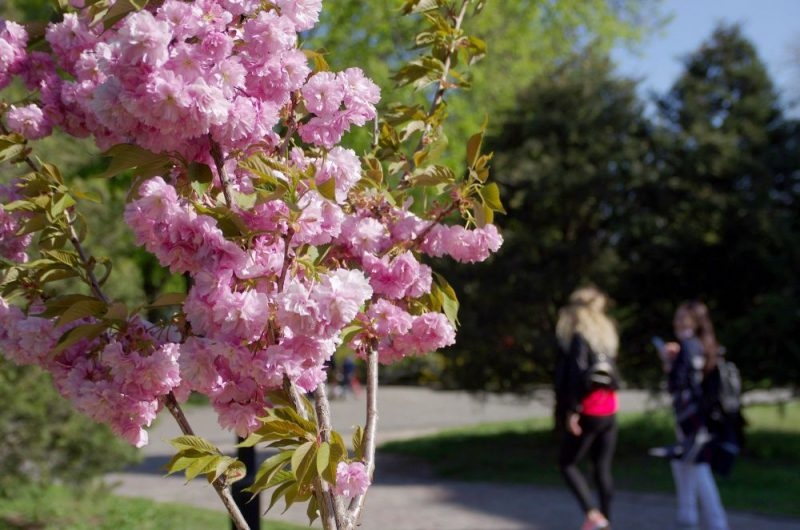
point(219, 162)
point(220, 485)
point(323, 409)
point(357, 504)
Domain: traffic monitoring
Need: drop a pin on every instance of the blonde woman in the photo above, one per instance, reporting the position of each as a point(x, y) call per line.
point(586, 399)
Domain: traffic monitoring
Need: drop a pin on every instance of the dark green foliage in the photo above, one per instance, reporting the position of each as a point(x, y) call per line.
point(565, 158)
point(42, 438)
point(700, 202)
point(721, 223)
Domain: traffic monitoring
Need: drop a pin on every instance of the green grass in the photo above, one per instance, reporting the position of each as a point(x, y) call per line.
point(56, 508)
point(765, 477)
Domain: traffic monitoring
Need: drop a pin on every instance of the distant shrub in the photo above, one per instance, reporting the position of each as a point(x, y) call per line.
point(45, 440)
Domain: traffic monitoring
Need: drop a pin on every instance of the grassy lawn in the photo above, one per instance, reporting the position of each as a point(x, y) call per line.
point(58, 509)
point(765, 478)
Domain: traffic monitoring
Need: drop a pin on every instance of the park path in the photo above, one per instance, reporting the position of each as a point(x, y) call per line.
point(405, 495)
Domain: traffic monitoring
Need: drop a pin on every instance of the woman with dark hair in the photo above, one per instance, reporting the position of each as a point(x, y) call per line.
point(586, 399)
point(689, 360)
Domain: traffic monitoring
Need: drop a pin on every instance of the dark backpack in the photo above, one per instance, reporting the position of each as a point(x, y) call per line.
point(722, 391)
point(729, 389)
point(600, 371)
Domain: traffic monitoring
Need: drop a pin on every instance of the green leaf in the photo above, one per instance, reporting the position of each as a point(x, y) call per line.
point(474, 148)
point(128, 156)
point(225, 465)
point(328, 189)
point(65, 257)
point(56, 274)
point(419, 6)
point(11, 146)
point(312, 511)
point(323, 457)
point(202, 464)
point(57, 305)
point(292, 416)
point(119, 10)
point(60, 203)
point(194, 442)
point(337, 454)
point(300, 463)
point(490, 194)
point(117, 311)
point(318, 57)
point(433, 176)
point(88, 196)
point(34, 224)
point(181, 461)
point(78, 333)
point(358, 443)
point(450, 299)
point(199, 172)
point(419, 73)
point(269, 470)
point(168, 299)
point(82, 309)
point(281, 491)
point(279, 428)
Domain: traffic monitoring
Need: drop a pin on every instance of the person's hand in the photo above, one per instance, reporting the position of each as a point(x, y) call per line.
point(573, 424)
point(671, 349)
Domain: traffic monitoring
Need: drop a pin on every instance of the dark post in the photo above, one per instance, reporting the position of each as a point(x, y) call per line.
point(251, 510)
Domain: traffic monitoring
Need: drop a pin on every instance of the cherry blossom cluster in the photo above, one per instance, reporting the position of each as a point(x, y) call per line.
point(215, 82)
point(12, 246)
point(114, 380)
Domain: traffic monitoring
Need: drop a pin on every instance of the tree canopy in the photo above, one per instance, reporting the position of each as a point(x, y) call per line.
point(697, 202)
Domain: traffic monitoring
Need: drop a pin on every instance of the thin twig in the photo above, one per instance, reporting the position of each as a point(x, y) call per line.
point(323, 409)
point(220, 485)
point(94, 283)
point(219, 162)
point(323, 494)
point(442, 83)
point(357, 504)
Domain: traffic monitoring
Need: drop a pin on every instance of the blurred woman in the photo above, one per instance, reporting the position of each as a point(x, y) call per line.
point(690, 359)
point(586, 400)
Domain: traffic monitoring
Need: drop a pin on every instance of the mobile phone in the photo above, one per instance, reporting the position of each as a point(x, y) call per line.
point(658, 342)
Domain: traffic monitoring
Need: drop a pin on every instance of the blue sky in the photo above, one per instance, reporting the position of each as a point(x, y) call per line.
point(772, 25)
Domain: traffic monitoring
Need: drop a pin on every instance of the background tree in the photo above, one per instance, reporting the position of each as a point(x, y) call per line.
point(566, 155)
point(525, 38)
point(721, 223)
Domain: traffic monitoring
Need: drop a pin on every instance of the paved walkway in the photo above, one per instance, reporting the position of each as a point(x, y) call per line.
point(405, 495)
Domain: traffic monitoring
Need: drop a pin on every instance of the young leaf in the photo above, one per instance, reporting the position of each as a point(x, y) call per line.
point(196, 443)
point(474, 148)
point(358, 443)
point(128, 156)
point(323, 457)
point(78, 333)
point(168, 299)
point(312, 511)
point(302, 460)
point(269, 470)
point(202, 464)
point(82, 309)
point(490, 194)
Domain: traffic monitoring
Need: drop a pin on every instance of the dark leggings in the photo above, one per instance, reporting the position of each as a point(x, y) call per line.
point(598, 438)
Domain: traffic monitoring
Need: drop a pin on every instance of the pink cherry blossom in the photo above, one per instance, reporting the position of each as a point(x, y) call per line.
point(352, 479)
point(29, 121)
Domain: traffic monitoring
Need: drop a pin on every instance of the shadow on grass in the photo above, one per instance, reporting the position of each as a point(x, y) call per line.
point(764, 479)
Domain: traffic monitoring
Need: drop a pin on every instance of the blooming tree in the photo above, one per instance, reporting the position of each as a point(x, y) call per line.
point(295, 245)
